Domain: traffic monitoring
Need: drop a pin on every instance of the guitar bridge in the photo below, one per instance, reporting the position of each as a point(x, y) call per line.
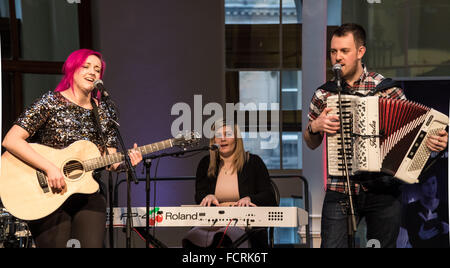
point(42, 181)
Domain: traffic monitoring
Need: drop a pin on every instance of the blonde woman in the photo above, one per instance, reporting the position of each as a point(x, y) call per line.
point(230, 176)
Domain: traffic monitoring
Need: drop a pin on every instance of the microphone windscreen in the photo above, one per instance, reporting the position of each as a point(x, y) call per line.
point(337, 66)
point(98, 82)
point(215, 146)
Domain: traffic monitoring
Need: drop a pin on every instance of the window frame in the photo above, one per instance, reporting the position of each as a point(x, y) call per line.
point(12, 106)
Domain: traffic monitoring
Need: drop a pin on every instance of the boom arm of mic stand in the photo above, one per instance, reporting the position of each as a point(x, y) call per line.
point(178, 153)
point(131, 170)
point(131, 175)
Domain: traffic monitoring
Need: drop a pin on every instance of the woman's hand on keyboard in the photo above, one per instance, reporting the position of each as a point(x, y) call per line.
point(208, 200)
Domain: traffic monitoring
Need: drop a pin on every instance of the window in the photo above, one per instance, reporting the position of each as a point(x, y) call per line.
point(402, 36)
point(263, 72)
point(37, 36)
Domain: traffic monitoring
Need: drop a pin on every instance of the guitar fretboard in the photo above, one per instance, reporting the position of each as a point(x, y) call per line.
point(110, 159)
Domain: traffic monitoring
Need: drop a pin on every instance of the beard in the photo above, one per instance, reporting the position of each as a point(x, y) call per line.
point(350, 72)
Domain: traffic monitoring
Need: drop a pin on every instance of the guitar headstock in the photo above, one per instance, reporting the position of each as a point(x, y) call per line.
point(187, 138)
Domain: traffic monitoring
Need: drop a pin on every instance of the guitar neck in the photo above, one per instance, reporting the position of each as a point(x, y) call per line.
point(110, 159)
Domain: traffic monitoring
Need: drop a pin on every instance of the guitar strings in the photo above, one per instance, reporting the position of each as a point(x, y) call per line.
point(117, 157)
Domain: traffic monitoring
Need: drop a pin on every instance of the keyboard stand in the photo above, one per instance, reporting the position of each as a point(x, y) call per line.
point(152, 240)
point(248, 234)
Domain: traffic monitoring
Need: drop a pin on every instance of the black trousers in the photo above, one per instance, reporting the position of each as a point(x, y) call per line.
point(79, 221)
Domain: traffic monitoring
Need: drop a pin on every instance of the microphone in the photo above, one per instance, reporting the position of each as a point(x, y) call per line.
point(337, 70)
point(214, 147)
point(98, 84)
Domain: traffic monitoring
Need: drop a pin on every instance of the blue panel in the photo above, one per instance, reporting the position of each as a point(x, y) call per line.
point(334, 12)
point(288, 235)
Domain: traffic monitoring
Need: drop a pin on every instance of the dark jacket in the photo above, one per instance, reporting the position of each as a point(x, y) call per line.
point(253, 181)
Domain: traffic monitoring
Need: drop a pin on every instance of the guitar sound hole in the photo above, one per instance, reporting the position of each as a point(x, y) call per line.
point(73, 170)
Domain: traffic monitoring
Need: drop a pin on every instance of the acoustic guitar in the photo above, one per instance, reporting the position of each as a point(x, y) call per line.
point(25, 192)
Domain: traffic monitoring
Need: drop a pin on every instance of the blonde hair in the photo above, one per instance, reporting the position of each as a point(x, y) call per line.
point(239, 154)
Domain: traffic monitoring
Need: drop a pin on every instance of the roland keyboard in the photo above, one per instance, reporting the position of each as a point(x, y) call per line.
point(186, 216)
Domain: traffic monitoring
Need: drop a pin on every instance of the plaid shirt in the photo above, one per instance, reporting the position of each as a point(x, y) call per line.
point(366, 82)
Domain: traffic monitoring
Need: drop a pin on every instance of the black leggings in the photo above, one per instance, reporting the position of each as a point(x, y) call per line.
point(81, 217)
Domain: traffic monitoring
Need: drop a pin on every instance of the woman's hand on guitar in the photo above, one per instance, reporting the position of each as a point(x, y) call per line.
point(135, 158)
point(135, 155)
point(56, 180)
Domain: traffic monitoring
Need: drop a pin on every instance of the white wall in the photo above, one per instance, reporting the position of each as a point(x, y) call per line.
point(314, 74)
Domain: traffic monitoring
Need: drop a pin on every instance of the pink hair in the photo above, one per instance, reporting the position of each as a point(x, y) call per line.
point(75, 61)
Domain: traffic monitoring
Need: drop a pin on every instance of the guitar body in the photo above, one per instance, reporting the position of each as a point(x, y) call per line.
point(22, 187)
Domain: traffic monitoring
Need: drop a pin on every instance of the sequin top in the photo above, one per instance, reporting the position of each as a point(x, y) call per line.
point(55, 121)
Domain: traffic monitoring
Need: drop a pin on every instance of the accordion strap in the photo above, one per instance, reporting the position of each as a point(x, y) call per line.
point(386, 83)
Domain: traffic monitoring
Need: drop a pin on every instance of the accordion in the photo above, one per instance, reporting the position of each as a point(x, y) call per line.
point(382, 135)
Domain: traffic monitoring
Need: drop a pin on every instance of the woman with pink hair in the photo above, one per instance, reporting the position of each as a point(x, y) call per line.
point(58, 119)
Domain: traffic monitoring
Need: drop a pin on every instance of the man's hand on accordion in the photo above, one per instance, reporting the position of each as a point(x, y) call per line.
point(437, 143)
point(326, 123)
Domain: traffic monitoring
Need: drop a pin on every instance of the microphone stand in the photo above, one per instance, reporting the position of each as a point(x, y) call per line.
point(147, 163)
point(111, 209)
point(131, 174)
point(350, 209)
point(149, 238)
point(110, 185)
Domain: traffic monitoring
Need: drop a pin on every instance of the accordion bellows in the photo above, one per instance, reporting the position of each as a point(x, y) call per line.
point(382, 135)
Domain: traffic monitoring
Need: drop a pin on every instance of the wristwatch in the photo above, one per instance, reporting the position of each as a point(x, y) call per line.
point(310, 130)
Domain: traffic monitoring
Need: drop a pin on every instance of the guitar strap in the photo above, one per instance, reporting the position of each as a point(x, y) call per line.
point(97, 125)
point(102, 137)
